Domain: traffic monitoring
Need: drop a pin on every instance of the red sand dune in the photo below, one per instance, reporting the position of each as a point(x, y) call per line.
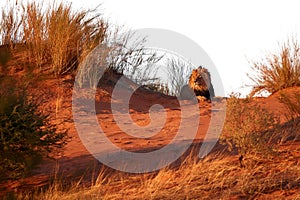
point(74, 161)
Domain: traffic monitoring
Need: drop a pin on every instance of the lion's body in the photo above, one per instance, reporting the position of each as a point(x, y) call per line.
point(200, 82)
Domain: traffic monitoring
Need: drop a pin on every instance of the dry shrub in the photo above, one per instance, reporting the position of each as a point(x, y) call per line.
point(248, 127)
point(279, 70)
point(120, 53)
point(179, 71)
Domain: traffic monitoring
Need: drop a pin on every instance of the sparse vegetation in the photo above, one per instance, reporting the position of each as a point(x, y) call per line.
point(10, 26)
point(279, 70)
point(158, 87)
point(58, 39)
point(248, 127)
point(117, 56)
point(25, 133)
point(212, 178)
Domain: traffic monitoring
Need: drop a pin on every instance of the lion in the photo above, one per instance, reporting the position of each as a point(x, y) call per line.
point(200, 82)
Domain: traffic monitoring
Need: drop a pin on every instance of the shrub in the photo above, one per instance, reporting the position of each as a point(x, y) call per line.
point(120, 53)
point(247, 127)
point(280, 70)
point(25, 133)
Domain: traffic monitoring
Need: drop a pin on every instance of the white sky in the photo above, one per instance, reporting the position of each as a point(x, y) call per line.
point(230, 31)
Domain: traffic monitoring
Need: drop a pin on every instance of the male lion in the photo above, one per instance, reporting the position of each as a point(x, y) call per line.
point(200, 82)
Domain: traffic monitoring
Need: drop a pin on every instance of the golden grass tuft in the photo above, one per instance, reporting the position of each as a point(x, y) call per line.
point(55, 35)
point(279, 70)
point(218, 176)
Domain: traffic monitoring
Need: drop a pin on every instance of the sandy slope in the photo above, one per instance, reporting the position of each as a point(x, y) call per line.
point(74, 160)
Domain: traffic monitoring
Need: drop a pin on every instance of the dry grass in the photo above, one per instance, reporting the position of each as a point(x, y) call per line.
point(215, 177)
point(179, 71)
point(279, 70)
point(10, 25)
point(55, 35)
point(72, 36)
point(60, 39)
point(34, 33)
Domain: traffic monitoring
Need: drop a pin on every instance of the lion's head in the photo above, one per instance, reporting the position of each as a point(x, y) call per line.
point(200, 82)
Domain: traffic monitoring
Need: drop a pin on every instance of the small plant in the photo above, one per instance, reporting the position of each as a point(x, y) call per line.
point(279, 71)
point(25, 133)
point(247, 127)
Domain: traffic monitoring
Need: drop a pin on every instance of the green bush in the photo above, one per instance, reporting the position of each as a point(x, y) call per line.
point(278, 71)
point(25, 133)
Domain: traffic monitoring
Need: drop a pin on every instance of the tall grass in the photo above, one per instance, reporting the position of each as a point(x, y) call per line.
point(279, 70)
point(10, 25)
point(59, 38)
point(57, 35)
point(34, 31)
point(72, 35)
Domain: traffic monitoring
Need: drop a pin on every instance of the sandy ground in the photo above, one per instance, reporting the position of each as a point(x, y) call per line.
point(142, 134)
